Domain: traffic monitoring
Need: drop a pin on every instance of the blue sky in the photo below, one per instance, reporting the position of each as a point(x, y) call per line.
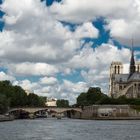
point(61, 48)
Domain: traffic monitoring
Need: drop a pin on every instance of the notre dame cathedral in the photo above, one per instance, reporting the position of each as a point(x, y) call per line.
point(125, 84)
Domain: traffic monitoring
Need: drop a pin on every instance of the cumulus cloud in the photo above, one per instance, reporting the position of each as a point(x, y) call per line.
point(65, 90)
point(48, 80)
point(4, 76)
point(70, 90)
point(27, 85)
point(33, 69)
point(32, 34)
point(119, 19)
point(83, 10)
point(72, 87)
point(119, 30)
point(101, 56)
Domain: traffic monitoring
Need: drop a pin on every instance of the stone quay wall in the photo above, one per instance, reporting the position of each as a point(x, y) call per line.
point(106, 112)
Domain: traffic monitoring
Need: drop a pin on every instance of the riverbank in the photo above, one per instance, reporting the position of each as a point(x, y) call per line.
point(94, 112)
point(110, 112)
point(6, 118)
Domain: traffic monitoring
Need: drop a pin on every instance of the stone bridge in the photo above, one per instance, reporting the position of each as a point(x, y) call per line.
point(55, 109)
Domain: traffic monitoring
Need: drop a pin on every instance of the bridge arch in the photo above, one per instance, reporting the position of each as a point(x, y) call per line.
point(19, 113)
point(41, 113)
point(48, 111)
point(71, 113)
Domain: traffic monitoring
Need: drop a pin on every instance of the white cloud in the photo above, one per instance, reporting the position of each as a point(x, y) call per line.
point(119, 29)
point(48, 80)
point(32, 34)
point(33, 69)
point(119, 19)
point(85, 10)
point(27, 85)
point(4, 76)
point(101, 56)
point(74, 87)
point(70, 90)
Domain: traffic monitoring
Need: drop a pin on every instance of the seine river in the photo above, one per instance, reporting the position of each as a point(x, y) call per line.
point(69, 129)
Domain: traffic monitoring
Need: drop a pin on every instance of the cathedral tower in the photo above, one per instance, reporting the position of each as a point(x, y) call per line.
point(115, 68)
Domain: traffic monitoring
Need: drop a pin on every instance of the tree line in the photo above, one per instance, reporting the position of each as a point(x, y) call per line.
point(15, 96)
point(62, 103)
point(95, 96)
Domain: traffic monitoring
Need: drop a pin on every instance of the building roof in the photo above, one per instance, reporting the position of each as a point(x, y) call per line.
point(121, 77)
point(134, 77)
point(127, 78)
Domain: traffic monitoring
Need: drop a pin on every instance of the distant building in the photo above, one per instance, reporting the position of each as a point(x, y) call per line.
point(51, 102)
point(125, 84)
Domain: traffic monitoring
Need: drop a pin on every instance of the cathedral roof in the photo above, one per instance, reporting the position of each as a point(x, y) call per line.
point(121, 77)
point(134, 77)
point(127, 78)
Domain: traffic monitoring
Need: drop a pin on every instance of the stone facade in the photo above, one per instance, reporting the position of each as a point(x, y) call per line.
point(107, 112)
point(51, 102)
point(125, 84)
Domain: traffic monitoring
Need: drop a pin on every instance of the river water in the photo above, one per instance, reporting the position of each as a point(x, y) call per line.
point(69, 129)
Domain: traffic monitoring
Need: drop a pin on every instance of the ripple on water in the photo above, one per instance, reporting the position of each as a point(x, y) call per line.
point(69, 129)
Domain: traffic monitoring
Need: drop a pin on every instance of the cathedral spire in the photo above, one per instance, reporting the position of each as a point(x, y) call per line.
point(132, 61)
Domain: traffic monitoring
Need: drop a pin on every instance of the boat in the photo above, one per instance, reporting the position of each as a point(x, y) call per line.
point(41, 116)
point(58, 116)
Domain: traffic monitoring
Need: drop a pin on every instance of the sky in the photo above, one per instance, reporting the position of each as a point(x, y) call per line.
point(60, 48)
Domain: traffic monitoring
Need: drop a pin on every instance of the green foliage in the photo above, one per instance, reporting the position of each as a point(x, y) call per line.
point(4, 103)
point(15, 96)
point(95, 96)
point(107, 100)
point(82, 99)
point(134, 101)
point(19, 97)
point(62, 103)
point(92, 96)
point(35, 101)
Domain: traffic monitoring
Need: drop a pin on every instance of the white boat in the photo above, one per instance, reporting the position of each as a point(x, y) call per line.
point(58, 116)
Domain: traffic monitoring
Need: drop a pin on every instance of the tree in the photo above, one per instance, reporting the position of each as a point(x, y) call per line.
point(35, 101)
point(4, 104)
point(17, 97)
point(107, 100)
point(82, 99)
point(92, 96)
point(62, 103)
